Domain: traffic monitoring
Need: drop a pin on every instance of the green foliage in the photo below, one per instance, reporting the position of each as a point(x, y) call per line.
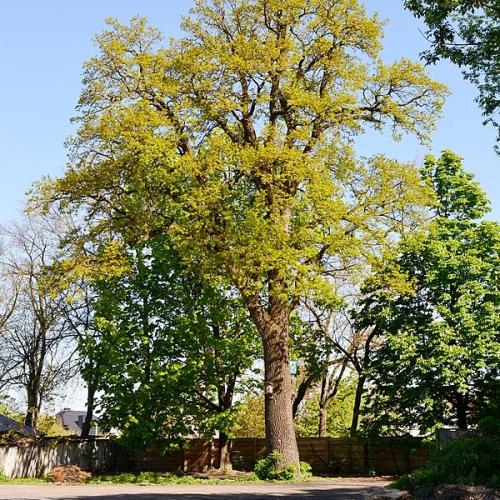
point(339, 412)
point(21, 480)
point(466, 32)
point(305, 470)
point(249, 418)
point(267, 469)
point(10, 409)
point(49, 425)
point(175, 349)
point(235, 142)
point(467, 461)
point(435, 305)
point(152, 478)
point(231, 141)
point(489, 426)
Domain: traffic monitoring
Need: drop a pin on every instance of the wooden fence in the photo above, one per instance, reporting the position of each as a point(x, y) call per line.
point(326, 456)
point(37, 459)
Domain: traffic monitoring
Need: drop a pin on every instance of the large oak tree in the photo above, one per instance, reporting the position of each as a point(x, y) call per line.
point(235, 140)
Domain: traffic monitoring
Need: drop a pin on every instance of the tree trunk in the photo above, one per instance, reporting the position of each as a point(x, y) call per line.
point(323, 415)
point(87, 423)
point(225, 462)
point(31, 413)
point(357, 405)
point(32, 399)
point(461, 409)
point(280, 431)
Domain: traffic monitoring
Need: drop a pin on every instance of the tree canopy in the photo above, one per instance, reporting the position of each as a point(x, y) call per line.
point(235, 141)
point(436, 306)
point(176, 350)
point(466, 32)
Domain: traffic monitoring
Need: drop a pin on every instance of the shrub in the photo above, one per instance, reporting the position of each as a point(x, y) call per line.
point(489, 426)
point(267, 469)
point(466, 461)
point(305, 469)
point(68, 474)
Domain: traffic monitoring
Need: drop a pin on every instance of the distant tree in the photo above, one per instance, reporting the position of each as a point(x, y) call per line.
point(79, 315)
point(331, 346)
point(35, 345)
point(9, 294)
point(50, 425)
point(234, 141)
point(335, 413)
point(322, 365)
point(466, 32)
point(436, 306)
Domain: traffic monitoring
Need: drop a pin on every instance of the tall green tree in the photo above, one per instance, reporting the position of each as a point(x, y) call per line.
point(436, 306)
point(467, 33)
point(175, 351)
point(234, 140)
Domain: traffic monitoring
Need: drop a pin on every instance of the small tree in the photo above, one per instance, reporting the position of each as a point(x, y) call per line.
point(36, 347)
point(176, 350)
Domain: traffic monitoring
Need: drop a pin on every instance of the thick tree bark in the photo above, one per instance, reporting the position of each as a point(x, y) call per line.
point(272, 322)
point(225, 462)
point(280, 431)
point(87, 423)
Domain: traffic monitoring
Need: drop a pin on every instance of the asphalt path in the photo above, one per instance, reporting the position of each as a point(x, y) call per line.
point(332, 489)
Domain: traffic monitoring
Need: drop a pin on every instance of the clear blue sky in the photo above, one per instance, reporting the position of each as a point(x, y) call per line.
point(43, 46)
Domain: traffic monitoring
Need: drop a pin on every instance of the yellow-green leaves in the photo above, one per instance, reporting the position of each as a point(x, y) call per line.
point(234, 140)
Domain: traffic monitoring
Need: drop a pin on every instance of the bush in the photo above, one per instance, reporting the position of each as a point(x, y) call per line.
point(305, 470)
point(467, 461)
point(266, 469)
point(489, 426)
point(68, 474)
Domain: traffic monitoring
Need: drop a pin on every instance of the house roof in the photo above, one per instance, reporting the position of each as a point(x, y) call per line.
point(73, 421)
point(8, 425)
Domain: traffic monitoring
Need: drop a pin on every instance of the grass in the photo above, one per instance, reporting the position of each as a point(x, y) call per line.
point(159, 479)
point(170, 478)
point(22, 480)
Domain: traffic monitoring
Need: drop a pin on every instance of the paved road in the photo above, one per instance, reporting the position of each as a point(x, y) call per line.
point(334, 489)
